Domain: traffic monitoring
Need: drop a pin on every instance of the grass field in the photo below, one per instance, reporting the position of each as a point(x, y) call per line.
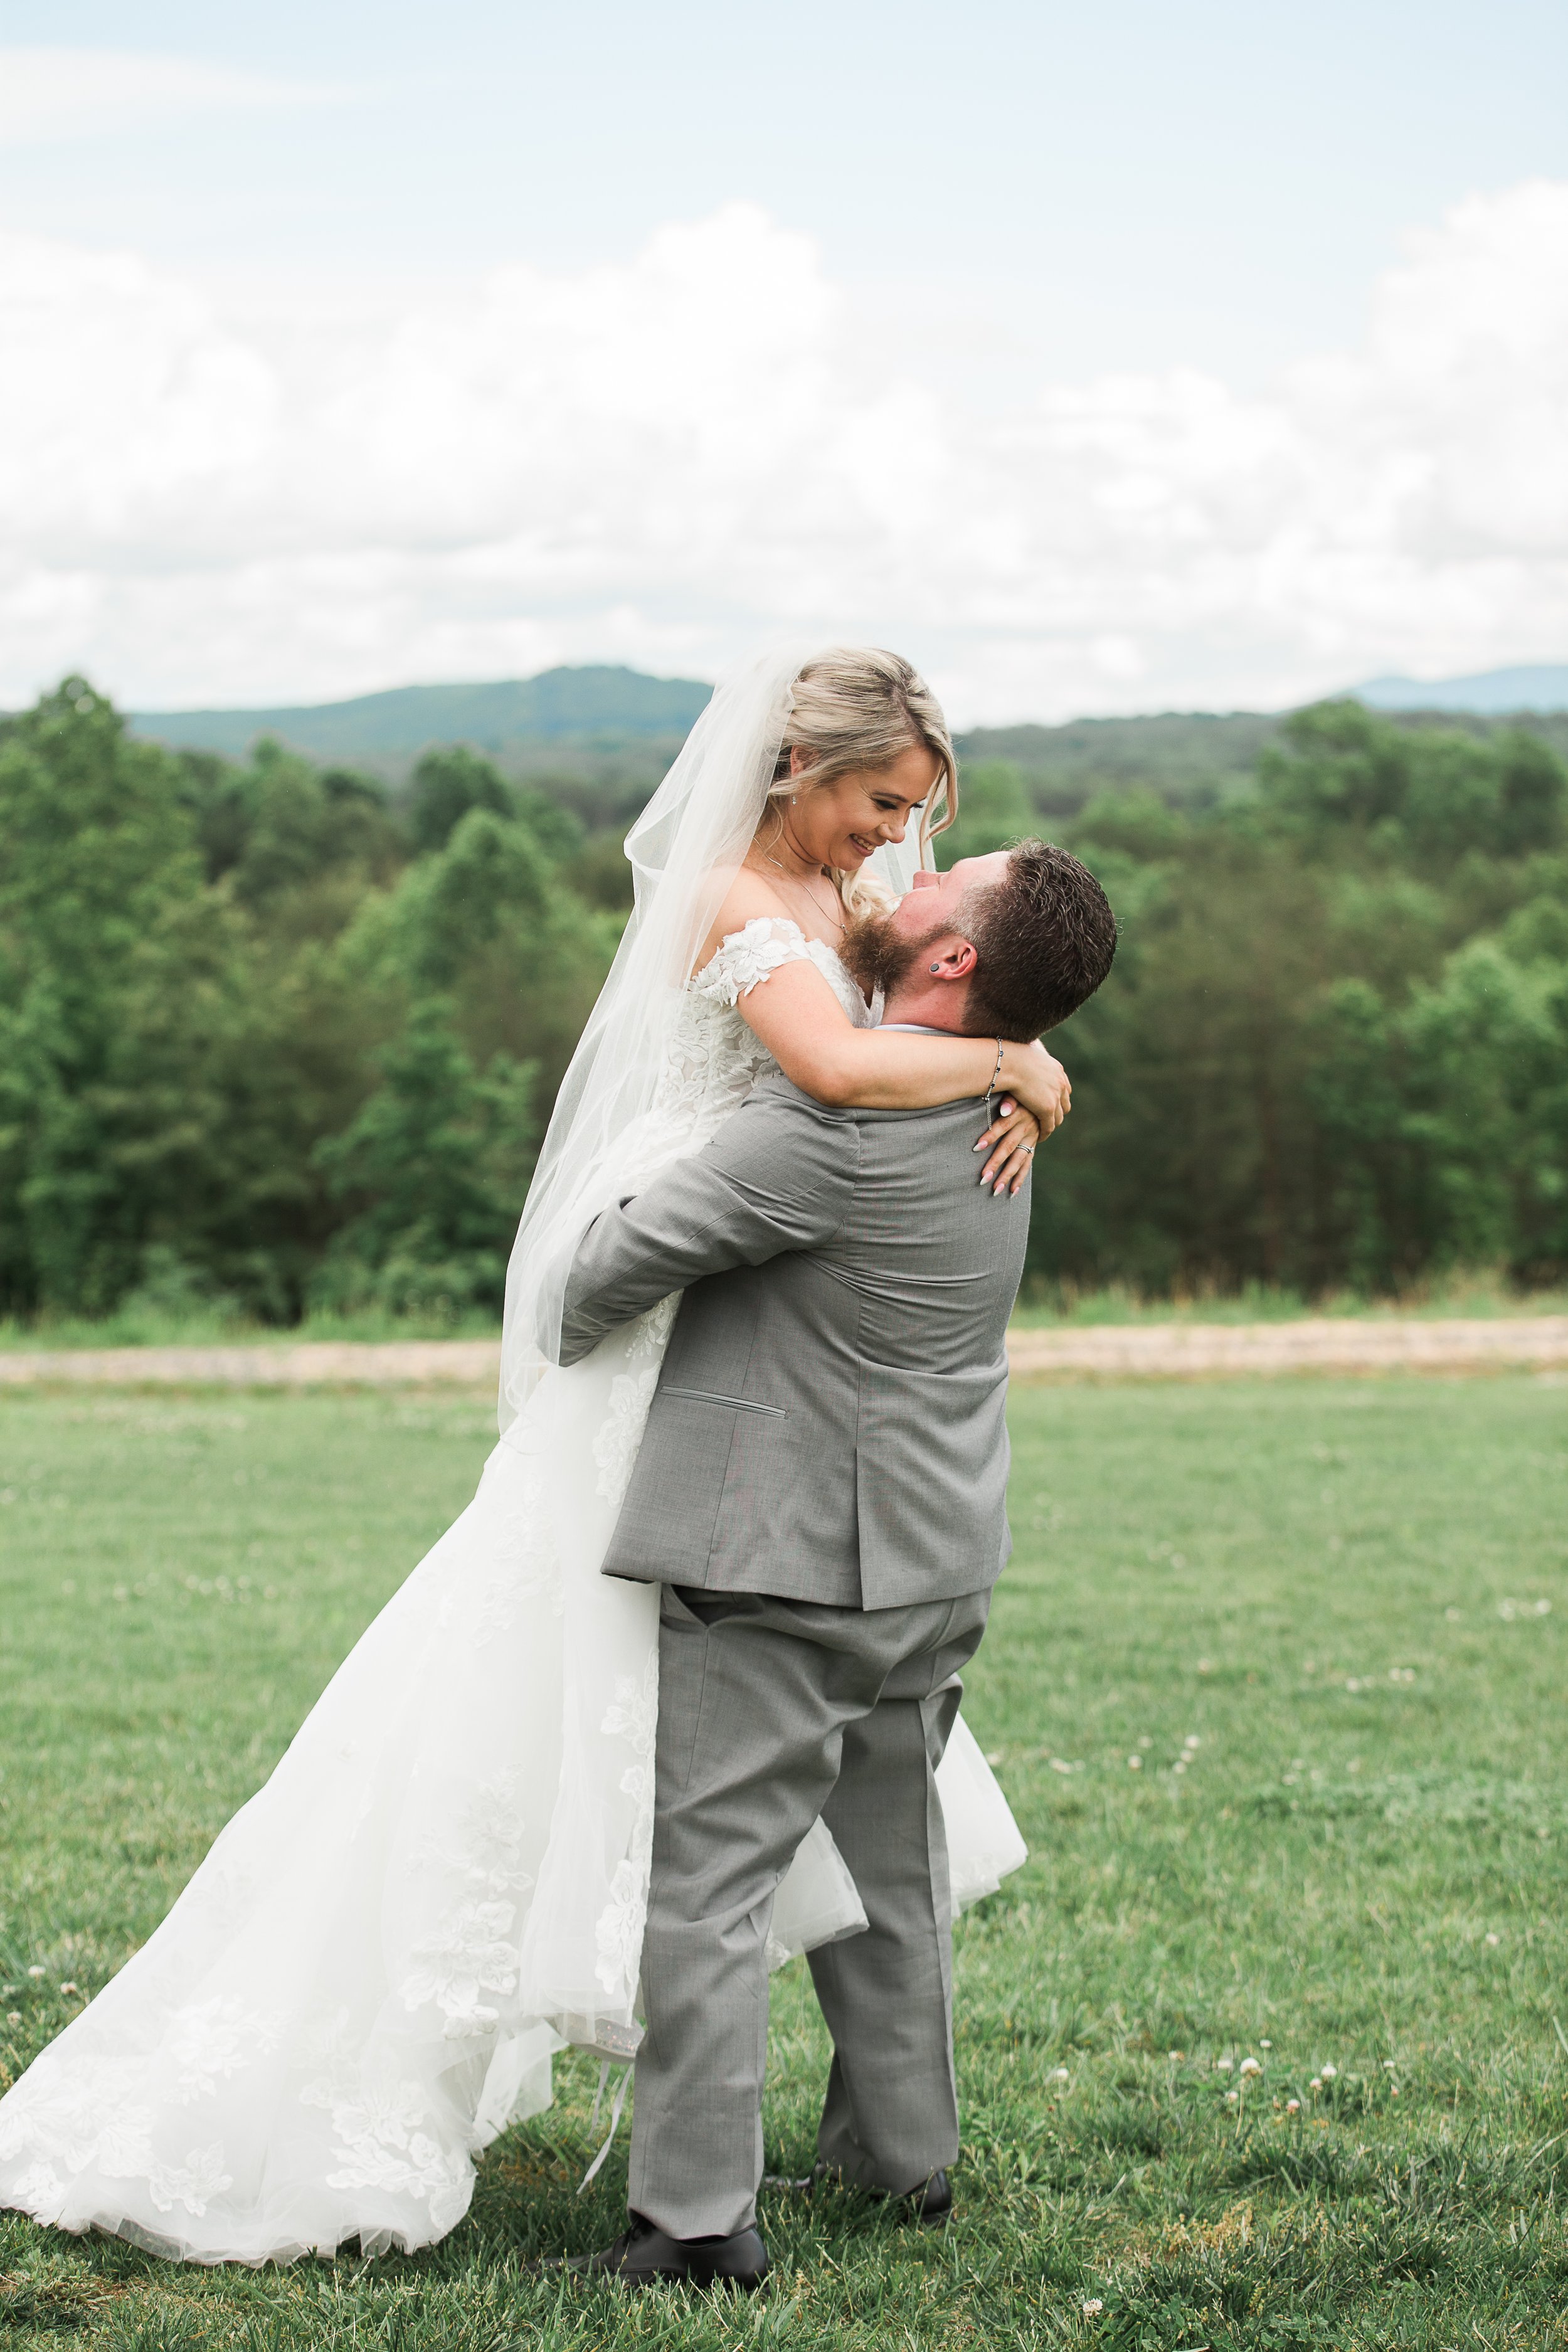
point(1329, 1619)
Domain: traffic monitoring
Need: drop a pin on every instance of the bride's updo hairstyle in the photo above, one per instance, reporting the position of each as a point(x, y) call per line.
point(858, 707)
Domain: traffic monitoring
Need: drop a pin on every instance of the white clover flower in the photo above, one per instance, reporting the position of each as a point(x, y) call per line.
point(34, 1972)
point(15, 2018)
point(1328, 2072)
point(1058, 2074)
point(1093, 2307)
point(1135, 1763)
point(1494, 1939)
point(1222, 2065)
point(1232, 2098)
point(1315, 2083)
point(1264, 2042)
point(1250, 2066)
point(1177, 2055)
point(69, 1986)
point(1292, 2106)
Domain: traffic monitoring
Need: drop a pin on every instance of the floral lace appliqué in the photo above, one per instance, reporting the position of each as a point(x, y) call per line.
point(631, 1394)
point(474, 1951)
point(528, 1566)
point(746, 958)
point(381, 2146)
point(632, 1715)
point(212, 2040)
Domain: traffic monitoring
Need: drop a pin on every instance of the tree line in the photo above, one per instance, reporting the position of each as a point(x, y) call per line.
point(1332, 1053)
point(273, 1040)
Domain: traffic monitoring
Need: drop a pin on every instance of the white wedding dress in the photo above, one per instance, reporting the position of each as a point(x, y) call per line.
point(444, 1880)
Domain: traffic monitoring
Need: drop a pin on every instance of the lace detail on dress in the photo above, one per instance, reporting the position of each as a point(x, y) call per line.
point(377, 2124)
point(631, 1394)
point(212, 2040)
point(472, 1951)
point(103, 2123)
point(527, 1561)
point(634, 1716)
point(746, 958)
point(712, 1059)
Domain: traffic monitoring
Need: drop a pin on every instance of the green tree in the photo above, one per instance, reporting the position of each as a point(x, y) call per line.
point(994, 811)
point(99, 918)
point(433, 1170)
point(446, 784)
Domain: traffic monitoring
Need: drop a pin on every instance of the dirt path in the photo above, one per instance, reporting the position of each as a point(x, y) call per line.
point(1320, 1343)
point(1106, 1351)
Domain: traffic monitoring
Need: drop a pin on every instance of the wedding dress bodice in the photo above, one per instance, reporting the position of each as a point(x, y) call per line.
point(712, 1059)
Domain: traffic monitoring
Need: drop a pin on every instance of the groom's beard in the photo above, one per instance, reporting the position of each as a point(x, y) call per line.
point(878, 956)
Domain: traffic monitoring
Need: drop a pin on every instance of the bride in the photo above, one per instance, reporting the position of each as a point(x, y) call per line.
point(444, 1881)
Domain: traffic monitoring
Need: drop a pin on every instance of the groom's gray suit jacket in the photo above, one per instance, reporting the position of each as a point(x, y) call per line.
point(828, 1424)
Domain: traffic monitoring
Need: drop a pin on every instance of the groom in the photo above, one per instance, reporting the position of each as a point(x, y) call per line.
point(821, 1493)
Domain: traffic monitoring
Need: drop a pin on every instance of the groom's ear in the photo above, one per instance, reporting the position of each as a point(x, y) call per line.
point(950, 959)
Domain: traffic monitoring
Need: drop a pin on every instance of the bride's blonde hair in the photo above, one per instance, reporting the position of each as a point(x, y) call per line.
point(858, 707)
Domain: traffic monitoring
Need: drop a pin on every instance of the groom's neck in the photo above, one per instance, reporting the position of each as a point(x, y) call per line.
point(936, 1005)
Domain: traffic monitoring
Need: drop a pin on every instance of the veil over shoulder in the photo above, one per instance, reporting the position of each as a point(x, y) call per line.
point(444, 1882)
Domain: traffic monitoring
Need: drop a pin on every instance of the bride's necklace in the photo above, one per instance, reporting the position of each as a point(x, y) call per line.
point(834, 915)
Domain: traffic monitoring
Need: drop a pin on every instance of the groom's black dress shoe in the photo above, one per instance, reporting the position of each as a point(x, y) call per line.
point(644, 2256)
point(929, 2202)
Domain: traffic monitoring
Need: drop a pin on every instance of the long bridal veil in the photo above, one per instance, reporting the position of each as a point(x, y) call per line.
point(685, 850)
point(444, 1881)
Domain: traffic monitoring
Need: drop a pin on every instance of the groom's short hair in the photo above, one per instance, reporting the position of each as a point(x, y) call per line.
point(1044, 935)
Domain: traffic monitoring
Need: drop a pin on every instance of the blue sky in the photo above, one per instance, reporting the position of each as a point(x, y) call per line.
point(1116, 356)
point(1124, 185)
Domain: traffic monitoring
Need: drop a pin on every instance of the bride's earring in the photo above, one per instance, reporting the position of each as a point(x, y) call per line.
point(936, 967)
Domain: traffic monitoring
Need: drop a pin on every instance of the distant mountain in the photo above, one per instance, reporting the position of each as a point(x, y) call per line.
point(1539, 685)
point(1191, 755)
point(599, 737)
point(573, 704)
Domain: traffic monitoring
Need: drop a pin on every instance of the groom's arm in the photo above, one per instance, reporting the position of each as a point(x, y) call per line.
point(779, 1175)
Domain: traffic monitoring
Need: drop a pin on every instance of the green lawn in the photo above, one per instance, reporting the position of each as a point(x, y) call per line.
point(1344, 1604)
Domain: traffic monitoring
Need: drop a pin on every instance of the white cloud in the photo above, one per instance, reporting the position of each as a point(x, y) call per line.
point(49, 94)
point(662, 461)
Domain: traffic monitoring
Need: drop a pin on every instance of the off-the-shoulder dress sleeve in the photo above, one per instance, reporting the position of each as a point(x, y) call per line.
point(747, 957)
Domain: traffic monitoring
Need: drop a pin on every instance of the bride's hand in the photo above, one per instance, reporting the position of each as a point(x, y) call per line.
point(1038, 1098)
point(1038, 1080)
point(1015, 1132)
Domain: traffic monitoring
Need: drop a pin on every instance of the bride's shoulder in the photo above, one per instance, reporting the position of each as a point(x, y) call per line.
point(748, 899)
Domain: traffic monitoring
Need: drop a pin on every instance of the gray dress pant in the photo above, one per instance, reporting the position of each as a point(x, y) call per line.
point(770, 1712)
